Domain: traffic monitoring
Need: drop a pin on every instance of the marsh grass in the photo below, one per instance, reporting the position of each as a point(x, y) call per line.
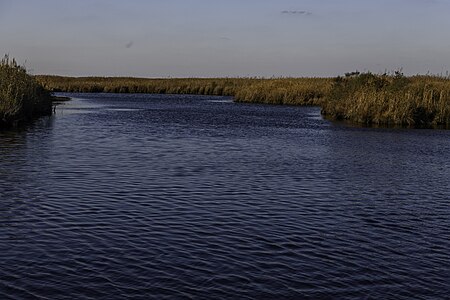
point(419, 101)
point(199, 86)
point(368, 99)
point(288, 91)
point(295, 91)
point(22, 98)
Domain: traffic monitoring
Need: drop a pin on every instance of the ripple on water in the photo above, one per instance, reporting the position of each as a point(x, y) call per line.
point(152, 196)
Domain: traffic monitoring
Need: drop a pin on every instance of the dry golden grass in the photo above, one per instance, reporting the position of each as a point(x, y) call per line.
point(360, 98)
point(201, 86)
point(290, 91)
point(390, 100)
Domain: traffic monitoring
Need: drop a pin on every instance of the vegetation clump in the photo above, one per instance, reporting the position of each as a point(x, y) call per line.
point(368, 98)
point(22, 98)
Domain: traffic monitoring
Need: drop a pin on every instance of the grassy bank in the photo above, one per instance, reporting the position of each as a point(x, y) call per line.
point(289, 91)
point(295, 91)
point(359, 98)
point(418, 101)
point(200, 86)
point(22, 98)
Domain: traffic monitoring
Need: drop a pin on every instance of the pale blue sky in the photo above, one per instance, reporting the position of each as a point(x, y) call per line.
point(191, 38)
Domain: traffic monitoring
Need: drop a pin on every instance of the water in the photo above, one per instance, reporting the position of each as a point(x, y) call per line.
point(190, 197)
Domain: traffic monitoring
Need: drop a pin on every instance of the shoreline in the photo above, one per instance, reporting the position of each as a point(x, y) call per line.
point(362, 99)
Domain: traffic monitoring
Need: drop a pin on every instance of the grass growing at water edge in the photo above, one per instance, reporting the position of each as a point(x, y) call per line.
point(22, 98)
point(418, 101)
point(293, 91)
point(367, 98)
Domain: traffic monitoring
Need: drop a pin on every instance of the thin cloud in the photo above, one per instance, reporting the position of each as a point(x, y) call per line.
point(296, 12)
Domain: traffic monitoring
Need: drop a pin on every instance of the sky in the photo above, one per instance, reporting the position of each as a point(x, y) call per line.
point(226, 38)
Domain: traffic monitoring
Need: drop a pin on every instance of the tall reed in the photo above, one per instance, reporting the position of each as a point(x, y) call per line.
point(21, 96)
point(389, 100)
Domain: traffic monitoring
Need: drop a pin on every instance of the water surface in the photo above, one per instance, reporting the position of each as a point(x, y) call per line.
point(193, 197)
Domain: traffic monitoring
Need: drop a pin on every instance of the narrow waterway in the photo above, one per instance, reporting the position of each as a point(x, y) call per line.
point(196, 197)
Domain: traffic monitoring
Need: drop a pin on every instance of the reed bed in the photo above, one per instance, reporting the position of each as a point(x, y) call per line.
point(199, 86)
point(418, 101)
point(22, 98)
point(288, 91)
point(366, 98)
point(294, 91)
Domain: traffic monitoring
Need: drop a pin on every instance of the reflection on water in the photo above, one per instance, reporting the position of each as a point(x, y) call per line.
point(151, 196)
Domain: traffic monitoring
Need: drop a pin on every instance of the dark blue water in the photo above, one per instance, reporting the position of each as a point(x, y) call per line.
point(190, 197)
